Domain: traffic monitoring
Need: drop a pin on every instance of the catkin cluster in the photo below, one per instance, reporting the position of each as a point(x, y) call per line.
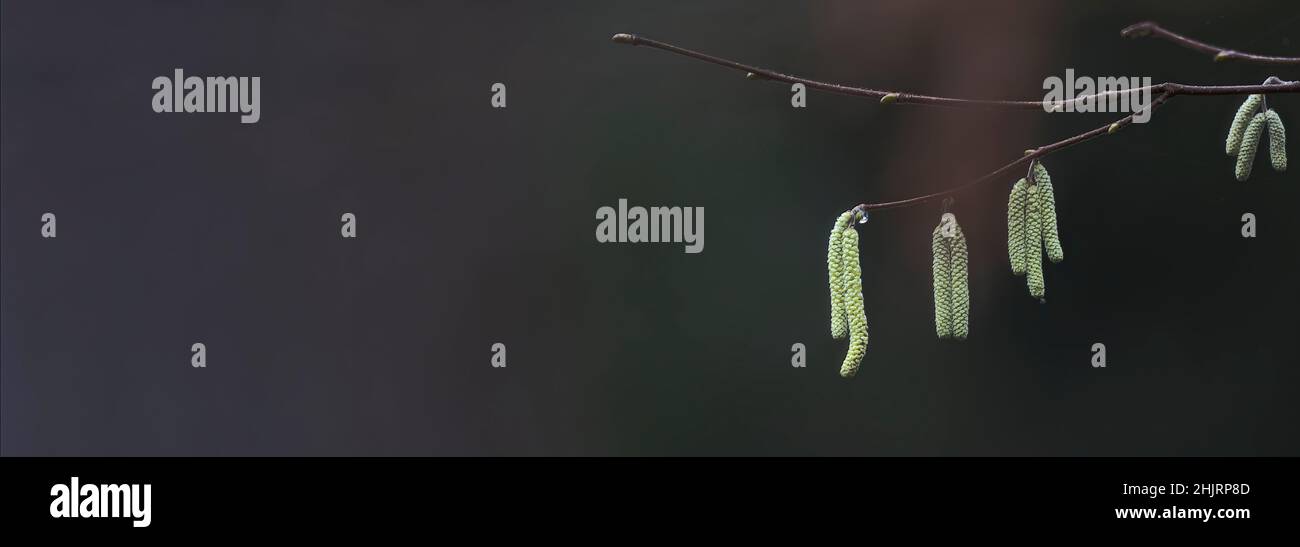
point(1032, 229)
point(1244, 135)
point(848, 315)
point(951, 282)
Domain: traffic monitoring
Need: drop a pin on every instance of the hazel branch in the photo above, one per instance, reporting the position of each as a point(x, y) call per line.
point(899, 97)
point(1151, 28)
point(1030, 156)
point(1163, 92)
point(1271, 85)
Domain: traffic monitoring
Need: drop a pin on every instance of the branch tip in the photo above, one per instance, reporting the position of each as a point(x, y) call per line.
point(1137, 30)
point(622, 38)
point(1151, 28)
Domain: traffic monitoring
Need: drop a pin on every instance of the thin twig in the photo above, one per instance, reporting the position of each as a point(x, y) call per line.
point(1151, 28)
point(1168, 91)
point(1030, 155)
point(889, 97)
point(1165, 91)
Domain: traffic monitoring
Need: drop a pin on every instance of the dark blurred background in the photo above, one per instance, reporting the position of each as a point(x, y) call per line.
point(476, 226)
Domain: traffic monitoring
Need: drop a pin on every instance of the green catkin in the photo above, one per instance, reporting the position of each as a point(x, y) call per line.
point(942, 285)
point(1236, 131)
point(853, 306)
point(1249, 144)
point(951, 283)
point(1017, 203)
point(1034, 246)
point(834, 270)
point(959, 284)
point(1276, 140)
point(1047, 207)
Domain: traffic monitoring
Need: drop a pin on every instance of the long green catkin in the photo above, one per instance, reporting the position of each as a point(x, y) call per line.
point(834, 271)
point(853, 305)
point(1239, 121)
point(1276, 140)
point(1034, 246)
point(959, 284)
point(1017, 204)
point(1249, 144)
point(1047, 206)
point(941, 274)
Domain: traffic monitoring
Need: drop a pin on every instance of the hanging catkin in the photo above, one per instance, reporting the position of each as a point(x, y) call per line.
point(835, 271)
point(853, 306)
point(942, 258)
point(1249, 144)
point(951, 284)
point(1239, 121)
point(1033, 244)
point(1017, 204)
point(1047, 207)
point(1276, 140)
point(959, 283)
